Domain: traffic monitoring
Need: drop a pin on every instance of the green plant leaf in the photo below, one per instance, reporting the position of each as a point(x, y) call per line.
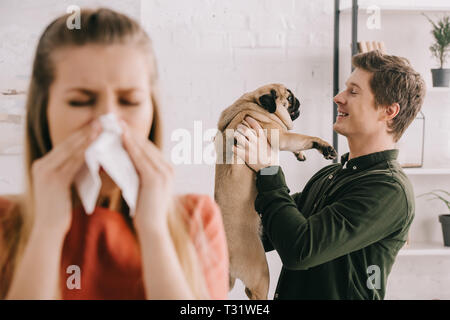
point(440, 190)
point(437, 196)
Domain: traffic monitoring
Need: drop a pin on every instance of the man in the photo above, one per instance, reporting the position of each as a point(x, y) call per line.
point(339, 237)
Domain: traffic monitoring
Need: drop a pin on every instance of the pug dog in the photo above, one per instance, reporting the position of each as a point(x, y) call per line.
point(275, 108)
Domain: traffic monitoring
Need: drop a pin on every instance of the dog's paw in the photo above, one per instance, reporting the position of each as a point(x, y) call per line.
point(329, 153)
point(300, 156)
point(327, 150)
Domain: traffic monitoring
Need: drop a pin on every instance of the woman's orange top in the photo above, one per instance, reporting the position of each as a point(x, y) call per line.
point(105, 248)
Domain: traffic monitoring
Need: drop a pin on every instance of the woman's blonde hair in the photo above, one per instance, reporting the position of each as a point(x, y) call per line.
point(105, 27)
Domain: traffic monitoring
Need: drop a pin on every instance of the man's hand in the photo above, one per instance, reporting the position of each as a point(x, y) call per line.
point(253, 147)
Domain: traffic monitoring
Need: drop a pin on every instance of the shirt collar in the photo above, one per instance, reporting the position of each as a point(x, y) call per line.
point(367, 160)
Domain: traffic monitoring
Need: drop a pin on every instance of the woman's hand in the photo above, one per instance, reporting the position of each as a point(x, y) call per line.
point(163, 275)
point(156, 181)
point(52, 176)
point(253, 147)
point(37, 274)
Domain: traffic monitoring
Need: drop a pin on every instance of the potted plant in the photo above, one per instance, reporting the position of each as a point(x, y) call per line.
point(440, 50)
point(444, 219)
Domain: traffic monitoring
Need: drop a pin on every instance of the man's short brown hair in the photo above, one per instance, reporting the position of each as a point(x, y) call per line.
point(393, 81)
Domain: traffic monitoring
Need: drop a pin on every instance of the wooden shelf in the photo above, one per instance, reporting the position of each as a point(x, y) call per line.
point(426, 171)
point(399, 5)
point(424, 249)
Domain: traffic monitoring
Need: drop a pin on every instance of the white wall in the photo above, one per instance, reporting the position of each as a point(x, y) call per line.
point(210, 52)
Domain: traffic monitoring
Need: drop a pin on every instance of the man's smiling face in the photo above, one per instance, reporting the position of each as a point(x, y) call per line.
point(357, 114)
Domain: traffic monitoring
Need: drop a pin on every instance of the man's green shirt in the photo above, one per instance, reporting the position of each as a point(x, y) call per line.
point(339, 237)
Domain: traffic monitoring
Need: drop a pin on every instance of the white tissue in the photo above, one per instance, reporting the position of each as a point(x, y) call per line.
point(107, 151)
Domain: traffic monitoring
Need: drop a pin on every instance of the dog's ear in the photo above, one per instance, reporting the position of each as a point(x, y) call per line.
point(268, 102)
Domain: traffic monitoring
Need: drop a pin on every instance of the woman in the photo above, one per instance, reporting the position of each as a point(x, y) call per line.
point(173, 248)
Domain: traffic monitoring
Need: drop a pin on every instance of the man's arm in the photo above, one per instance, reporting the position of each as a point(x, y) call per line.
point(268, 246)
point(355, 221)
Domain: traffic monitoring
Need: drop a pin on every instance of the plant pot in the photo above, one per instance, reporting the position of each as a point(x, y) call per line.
point(441, 77)
point(444, 219)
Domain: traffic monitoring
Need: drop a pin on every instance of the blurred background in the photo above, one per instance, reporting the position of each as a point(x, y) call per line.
point(210, 52)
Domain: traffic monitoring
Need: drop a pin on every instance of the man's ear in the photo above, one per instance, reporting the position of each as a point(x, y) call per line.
point(268, 102)
point(392, 111)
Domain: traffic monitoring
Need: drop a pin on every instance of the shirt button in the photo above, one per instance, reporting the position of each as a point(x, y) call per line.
point(354, 167)
point(276, 295)
point(330, 176)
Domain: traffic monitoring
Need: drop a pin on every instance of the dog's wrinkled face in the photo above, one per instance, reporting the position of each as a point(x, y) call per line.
point(294, 106)
point(282, 97)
